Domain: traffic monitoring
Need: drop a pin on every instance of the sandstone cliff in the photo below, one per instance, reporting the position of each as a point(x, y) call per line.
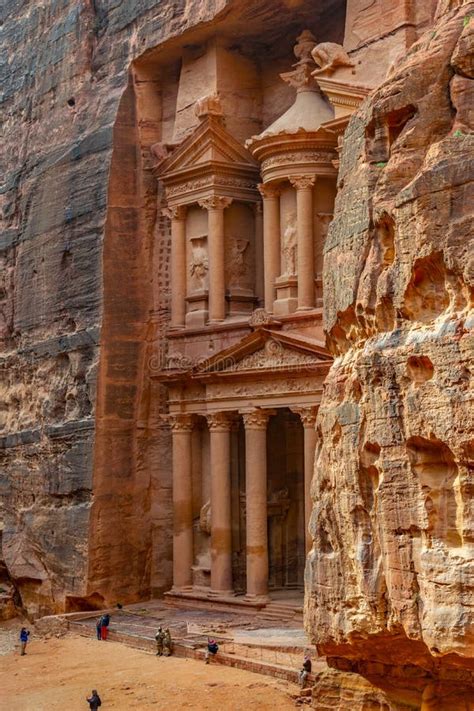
point(390, 578)
point(74, 302)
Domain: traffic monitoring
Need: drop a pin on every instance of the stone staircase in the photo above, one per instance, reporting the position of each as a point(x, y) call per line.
point(195, 649)
point(282, 611)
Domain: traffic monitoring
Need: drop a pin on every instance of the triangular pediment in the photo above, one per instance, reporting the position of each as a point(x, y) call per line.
point(209, 143)
point(267, 351)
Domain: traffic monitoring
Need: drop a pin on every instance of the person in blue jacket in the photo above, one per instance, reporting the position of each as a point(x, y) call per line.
point(24, 634)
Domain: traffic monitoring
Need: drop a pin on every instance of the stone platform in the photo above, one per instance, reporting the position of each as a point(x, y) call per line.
point(246, 641)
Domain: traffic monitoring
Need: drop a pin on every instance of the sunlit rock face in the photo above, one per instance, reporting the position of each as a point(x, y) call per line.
point(389, 581)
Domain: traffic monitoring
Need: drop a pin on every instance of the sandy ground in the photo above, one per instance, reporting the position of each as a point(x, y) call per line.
point(59, 673)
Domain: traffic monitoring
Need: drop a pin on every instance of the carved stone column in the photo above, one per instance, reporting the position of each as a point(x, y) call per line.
point(177, 216)
point(255, 423)
point(271, 240)
point(215, 207)
point(182, 427)
point(221, 517)
point(259, 260)
point(308, 419)
point(304, 216)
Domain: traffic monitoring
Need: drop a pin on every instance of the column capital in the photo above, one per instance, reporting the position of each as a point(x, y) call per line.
point(256, 419)
point(215, 202)
point(220, 421)
point(303, 182)
point(182, 422)
point(178, 212)
point(269, 190)
point(307, 415)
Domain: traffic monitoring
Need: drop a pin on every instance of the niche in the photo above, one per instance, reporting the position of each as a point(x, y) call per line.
point(433, 463)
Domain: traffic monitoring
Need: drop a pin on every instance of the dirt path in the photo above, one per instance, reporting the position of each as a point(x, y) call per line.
point(57, 674)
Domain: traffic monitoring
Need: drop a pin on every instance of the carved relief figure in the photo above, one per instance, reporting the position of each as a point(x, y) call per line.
point(290, 245)
point(199, 266)
point(237, 261)
point(329, 55)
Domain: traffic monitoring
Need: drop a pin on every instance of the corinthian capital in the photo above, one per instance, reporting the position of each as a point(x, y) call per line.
point(182, 422)
point(256, 419)
point(303, 182)
point(307, 415)
point(220, 421)
point(215, 202)
point(178, 212)
point(268, 190)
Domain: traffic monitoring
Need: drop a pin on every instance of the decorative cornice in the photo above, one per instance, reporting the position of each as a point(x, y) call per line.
point(303, 182)
point(215, 202)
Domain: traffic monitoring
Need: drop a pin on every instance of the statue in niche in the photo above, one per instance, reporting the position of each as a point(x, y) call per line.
point(290, 245)
point(199, 264)
point(237, 261)
point(329, 56)
point(205, 518)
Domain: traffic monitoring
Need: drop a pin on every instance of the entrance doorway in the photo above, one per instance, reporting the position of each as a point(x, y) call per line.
point(285, 486)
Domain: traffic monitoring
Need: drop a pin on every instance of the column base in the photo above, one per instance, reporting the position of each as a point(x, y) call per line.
point(305, 308)
point(181, 590)
point(213, 594)
point(257, 599)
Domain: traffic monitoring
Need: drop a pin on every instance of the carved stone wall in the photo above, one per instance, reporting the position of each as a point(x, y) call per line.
point(389, 579)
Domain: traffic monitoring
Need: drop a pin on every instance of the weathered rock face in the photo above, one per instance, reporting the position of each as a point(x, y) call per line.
point(64, 88)
point(391, 574)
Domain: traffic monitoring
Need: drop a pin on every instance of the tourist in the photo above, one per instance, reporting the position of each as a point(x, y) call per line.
point(94, 701)
point(24, 634)
point(104, 624)
point(306, 669)
point(159, 636)
point(98, 625)
point(167, 643)
point(212, 649)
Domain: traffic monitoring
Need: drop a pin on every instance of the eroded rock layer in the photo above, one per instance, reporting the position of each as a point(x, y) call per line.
point(390, 578)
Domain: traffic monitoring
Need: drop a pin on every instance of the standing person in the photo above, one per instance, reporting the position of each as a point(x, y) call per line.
point(98, 625)
point(305, 670)
point(212, 649)
point(104, 625)
point(24, 634)
point(167, 643)
point(94, 701)
point(159, 636)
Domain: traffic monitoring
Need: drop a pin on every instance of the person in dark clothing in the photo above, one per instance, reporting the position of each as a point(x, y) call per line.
point(104, 625)
point(212, 649)
point(24, 634)
point(94, 701)
point(305, 670)
point(98, 625)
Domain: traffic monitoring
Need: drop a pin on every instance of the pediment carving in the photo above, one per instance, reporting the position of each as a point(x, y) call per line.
point(267, 351)
point(273, 356)
point(209, 143)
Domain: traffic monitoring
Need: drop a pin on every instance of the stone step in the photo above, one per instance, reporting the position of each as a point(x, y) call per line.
point(187, 649)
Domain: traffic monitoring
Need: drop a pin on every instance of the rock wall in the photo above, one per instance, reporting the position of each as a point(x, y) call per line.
point(390, 577)
point(70, 307)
